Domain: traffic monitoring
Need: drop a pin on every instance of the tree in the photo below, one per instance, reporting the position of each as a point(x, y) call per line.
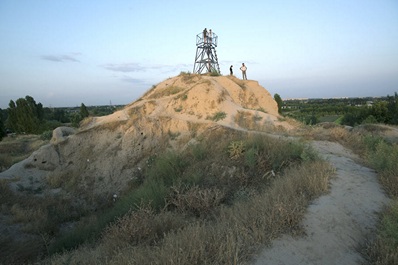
point(83, 111)
point(392, 117)
point(2, 129)
point(279, 102)
point(24, 115)
point(379, 110)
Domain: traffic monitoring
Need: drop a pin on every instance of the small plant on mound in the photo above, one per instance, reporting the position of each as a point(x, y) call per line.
point(244, 119)
point(178, 109)
point(218, 116)
point(236, 149)
point(187, 77)
point(171, 90)
point(199, 151)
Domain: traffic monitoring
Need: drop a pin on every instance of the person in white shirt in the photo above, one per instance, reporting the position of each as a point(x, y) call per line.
point(243, 68)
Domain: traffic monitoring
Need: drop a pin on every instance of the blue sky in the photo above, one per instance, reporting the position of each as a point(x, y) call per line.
point(64, 53)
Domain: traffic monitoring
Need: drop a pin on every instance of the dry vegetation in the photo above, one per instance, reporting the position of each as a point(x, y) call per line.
point(216, 202)
point(207, 204)
point(16, 148)
point(260, 194)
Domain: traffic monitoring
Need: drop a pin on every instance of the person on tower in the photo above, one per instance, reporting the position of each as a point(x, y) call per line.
point(205, 35)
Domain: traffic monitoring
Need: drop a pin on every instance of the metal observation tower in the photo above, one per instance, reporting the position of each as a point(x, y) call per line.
point(206, 56)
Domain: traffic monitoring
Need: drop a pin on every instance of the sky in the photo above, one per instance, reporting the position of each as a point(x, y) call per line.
point(67, 52)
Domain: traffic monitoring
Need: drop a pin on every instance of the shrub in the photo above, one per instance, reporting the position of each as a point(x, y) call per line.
point(236, 149)
point(196, 200)
point(251, 158)
point(141, 226)
point(199, 151)
point(218, 116)
point(47, 135)
point(384, 158)
point(384, 248)
point(214, 72)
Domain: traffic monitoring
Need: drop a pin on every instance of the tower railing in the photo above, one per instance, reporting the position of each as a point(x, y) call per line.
point(208, 40)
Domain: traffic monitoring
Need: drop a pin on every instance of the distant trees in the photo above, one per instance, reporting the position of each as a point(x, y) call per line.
point(24, 115)
point(78, 117)
point(279, 101)
point(392, 106)
point(385, 111)
point(27, 116)
point(83, 111)
point(347, 111)
point(2, 128)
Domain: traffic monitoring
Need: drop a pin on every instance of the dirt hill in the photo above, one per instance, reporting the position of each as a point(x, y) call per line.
point(87, 167)
point(106, 152)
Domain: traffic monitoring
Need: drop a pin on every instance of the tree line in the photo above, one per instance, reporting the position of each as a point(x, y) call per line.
point(345, 111)
point(26, 116)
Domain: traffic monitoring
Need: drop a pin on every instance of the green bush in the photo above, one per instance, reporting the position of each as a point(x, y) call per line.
point(384, 156)
point(218, 116)
point(251, 158)
point(389, 226)
point(199, 151)
point(47, 135)
point(214, 73)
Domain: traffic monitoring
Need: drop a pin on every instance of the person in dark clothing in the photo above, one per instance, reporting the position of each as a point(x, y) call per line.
point(205, 35)
point(230, 70)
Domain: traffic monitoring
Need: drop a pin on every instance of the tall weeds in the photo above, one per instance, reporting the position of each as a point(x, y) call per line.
point(383, 157)
point(203, 207)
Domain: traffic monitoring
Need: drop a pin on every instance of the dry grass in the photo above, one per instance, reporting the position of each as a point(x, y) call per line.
point(197, 206)
point(220, 216)
point(17, 148)
point(189, 78)
point(250, 121)
point(238, 81)
point(383, 249)
point(29, 222)
point(194, 199)
point(171, 90)
point(231, 237)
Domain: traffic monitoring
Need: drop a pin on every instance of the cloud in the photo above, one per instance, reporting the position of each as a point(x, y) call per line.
point(132, 80)
point(61, 58)
point(137, 67)
point(124, 67)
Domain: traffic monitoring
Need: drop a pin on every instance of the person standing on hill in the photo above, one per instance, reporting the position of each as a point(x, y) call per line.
point(243, 68)
point(230, 70)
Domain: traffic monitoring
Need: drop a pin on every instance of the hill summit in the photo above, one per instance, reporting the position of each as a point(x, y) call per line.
point(105, 153)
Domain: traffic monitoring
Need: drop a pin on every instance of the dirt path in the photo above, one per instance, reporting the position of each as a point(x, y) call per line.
point(337, 223)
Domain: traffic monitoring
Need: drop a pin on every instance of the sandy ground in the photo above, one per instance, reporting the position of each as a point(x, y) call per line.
point(337, 223)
